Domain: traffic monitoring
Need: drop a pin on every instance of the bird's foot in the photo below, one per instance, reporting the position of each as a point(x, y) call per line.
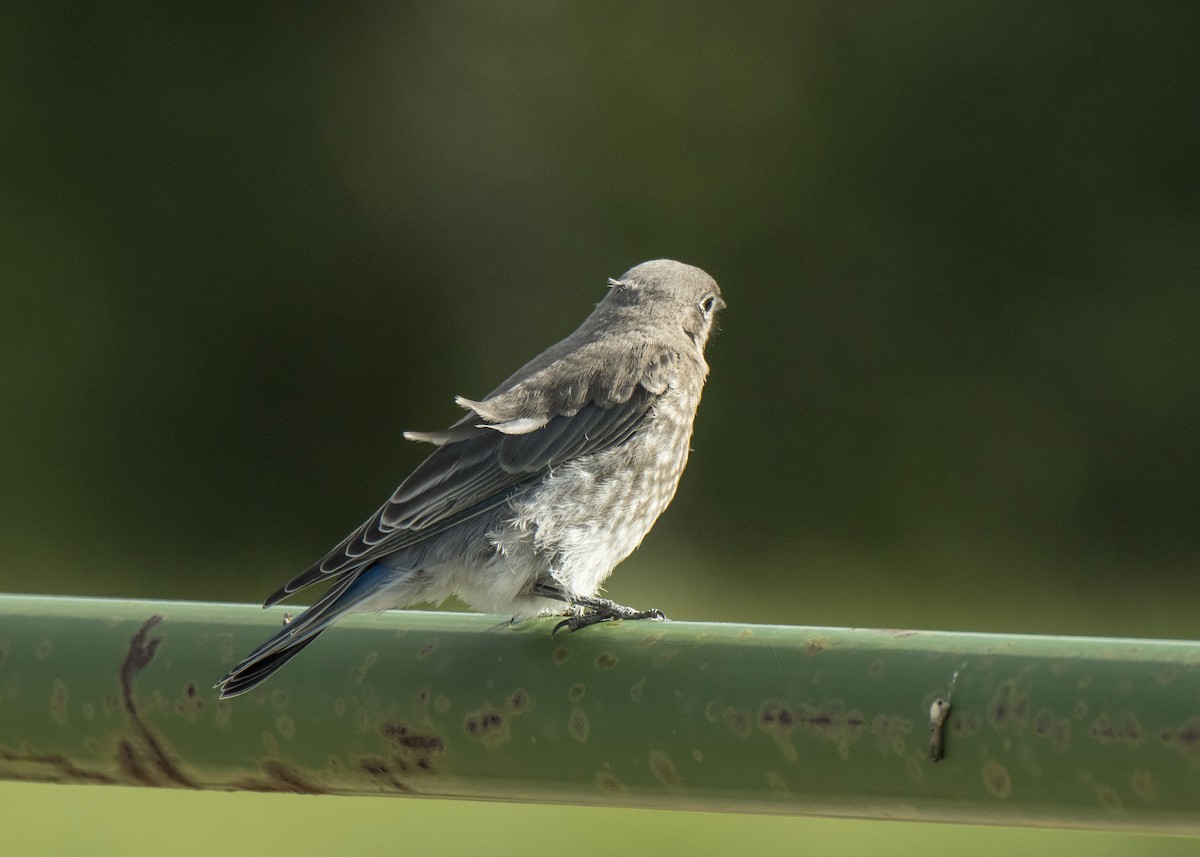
point(593, 611)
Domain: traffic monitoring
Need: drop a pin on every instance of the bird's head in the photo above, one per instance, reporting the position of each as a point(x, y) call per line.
point(665, 292)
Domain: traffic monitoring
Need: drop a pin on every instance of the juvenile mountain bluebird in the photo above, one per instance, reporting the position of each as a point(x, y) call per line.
point(530, 500)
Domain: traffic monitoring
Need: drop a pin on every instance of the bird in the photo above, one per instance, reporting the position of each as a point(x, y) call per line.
point(529, 501)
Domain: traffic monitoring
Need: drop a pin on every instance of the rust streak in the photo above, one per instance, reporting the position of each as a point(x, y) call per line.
point(128, 761)
point(59, 763)
point(291, 779)
point(140, 655)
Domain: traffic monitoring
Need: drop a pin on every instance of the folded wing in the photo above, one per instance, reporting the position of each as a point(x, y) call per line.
point(480, 463)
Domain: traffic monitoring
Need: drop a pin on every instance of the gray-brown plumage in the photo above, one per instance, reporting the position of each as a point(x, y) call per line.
point(532, 498)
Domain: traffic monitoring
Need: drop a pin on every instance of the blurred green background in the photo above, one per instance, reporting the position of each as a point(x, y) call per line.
point(244, 246)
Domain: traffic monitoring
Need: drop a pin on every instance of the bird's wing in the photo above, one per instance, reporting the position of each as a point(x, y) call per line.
point(481, 461)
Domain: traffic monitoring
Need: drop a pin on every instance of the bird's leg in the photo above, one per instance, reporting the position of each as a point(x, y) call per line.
point(590, 611)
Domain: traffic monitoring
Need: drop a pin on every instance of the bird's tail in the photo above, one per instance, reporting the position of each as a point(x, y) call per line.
point(291, 639)
point(257, 668)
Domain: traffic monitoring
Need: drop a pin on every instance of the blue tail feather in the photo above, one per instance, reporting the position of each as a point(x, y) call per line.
point(292, 638)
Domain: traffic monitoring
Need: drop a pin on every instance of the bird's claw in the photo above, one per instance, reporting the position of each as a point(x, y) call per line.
point(594, 614)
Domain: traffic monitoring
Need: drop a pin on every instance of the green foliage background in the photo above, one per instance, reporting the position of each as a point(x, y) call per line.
point(244, 246)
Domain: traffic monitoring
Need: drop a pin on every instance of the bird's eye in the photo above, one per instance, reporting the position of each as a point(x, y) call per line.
point(708, 303)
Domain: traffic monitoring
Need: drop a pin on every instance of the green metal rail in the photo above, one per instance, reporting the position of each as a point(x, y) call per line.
point(1047, 731)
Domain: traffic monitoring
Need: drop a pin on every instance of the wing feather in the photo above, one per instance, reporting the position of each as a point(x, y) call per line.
point(474, 471)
